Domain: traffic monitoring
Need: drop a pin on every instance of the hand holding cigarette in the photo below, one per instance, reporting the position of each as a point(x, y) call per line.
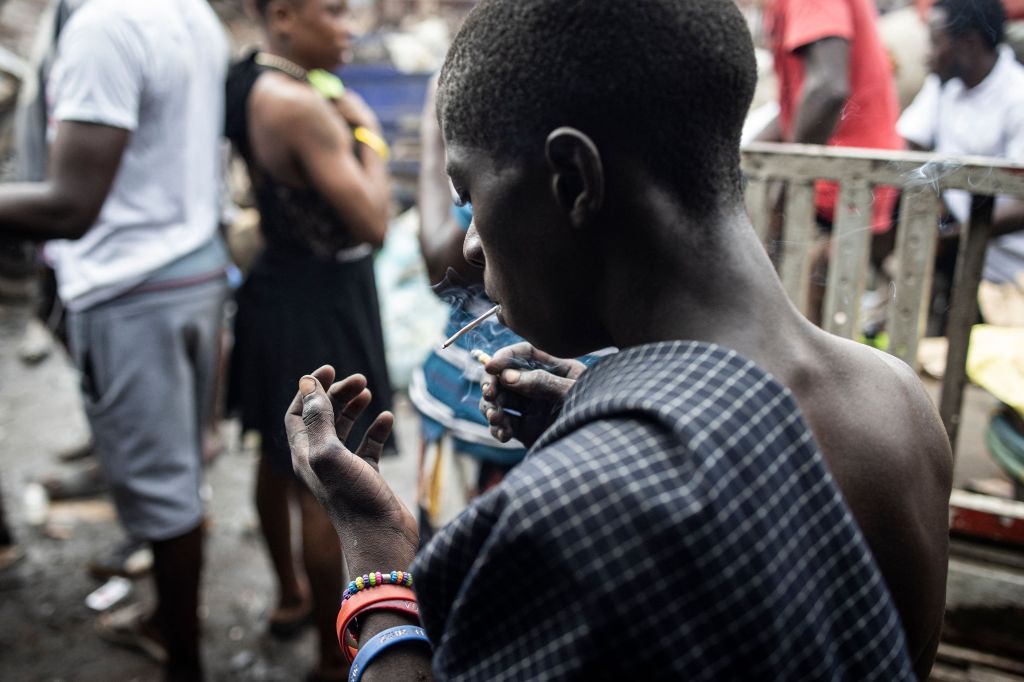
point(523, 389)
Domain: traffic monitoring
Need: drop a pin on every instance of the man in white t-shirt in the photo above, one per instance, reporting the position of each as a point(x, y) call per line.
point(130, 205)
point(973, 104)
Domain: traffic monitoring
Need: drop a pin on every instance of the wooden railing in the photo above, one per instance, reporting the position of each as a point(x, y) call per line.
point(921, 178)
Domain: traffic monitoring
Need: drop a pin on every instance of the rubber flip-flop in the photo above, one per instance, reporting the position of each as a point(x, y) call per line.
point(288, 629)
point(126, 627)
point(87, 481)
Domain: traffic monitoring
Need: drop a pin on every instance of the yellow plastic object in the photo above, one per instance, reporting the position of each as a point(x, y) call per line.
point(995, 361)
point(373, 141)
point(326, 83)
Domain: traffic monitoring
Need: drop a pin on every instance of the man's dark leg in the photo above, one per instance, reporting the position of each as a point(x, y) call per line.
point(6, 537)
point(177, 565)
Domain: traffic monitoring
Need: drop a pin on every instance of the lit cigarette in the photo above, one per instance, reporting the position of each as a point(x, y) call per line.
point(472, 325)
point(480, 356)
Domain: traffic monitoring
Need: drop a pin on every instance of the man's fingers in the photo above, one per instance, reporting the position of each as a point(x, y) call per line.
point(373, 442)
point(536, 383)
point(524, 357)
point(351, 412)
point(502, 434)
point(324, 374)
point(498, 420)
point(342, 393)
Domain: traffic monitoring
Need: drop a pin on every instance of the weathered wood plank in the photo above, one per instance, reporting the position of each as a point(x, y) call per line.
point(757, 206)
point(797, 241)
point(964, 312)
point(949, 652)
point(848, 261)
point(915, 253)
point(980, 175)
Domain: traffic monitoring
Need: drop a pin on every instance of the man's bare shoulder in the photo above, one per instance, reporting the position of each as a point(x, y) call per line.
point(883, 440)
point(892, 405)
point(908, 400)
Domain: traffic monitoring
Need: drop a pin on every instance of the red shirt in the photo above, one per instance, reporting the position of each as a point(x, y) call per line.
point(1014, 8)
point(869, 115)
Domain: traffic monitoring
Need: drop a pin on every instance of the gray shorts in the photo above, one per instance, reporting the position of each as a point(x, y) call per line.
point(148, 363)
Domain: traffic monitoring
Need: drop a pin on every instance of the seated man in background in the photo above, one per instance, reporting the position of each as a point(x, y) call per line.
point(685, 515)
point(973, 104)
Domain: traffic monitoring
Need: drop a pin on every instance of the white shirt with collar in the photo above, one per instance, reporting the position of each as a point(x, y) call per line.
point(986, 120)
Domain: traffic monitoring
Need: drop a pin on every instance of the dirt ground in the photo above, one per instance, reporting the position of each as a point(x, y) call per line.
point(46, 631)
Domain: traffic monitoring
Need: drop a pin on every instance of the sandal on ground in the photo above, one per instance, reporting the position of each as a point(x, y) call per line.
point(130, 559)
point(76, 452)
point(12, 575)
point(10, 556)
point(127, 627)
point(292, 627)
point(87, 481)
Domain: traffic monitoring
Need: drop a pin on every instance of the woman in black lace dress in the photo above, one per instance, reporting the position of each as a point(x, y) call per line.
point(318, 171)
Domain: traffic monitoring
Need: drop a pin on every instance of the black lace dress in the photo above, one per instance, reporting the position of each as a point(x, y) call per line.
point(310, 300)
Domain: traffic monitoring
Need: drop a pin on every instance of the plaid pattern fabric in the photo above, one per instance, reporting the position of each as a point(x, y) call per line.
point(677, 522)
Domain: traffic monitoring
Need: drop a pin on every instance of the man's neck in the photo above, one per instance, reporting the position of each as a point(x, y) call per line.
point(727, 294)
point(980, 68)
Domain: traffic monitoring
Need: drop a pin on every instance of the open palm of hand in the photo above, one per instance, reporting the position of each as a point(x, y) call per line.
point(377, 531)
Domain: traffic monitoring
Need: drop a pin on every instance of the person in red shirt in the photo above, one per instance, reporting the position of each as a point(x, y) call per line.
point(835, 87)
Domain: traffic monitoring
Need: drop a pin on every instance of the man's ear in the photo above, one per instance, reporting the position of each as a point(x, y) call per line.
point(577, 176)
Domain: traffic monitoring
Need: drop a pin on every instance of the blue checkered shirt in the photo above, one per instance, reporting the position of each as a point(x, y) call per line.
point(676, 522)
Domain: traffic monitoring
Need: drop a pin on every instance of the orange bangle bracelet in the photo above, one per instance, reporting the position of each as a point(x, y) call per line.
point(372, 600)
point(405, 606)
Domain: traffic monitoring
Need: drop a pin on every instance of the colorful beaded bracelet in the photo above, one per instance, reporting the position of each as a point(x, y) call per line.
point(369, 580)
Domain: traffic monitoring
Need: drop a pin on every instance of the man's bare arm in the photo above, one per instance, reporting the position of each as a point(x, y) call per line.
point(826, 89)
point(84, 160)
point(322, 144)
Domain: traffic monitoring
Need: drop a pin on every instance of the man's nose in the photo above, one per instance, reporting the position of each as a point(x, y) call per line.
point(472, 251)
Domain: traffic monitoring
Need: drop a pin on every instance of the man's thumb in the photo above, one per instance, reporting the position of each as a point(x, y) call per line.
point(536, 384)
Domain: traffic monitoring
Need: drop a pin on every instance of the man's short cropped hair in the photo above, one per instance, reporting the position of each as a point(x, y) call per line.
point(987, 17)
point(670, 80)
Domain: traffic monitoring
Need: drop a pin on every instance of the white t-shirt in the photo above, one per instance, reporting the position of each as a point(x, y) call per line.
point(157, 69)
point(986, 120)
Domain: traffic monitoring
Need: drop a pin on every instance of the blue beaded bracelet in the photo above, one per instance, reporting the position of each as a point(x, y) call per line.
point(365, 582)
point(381, 641)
